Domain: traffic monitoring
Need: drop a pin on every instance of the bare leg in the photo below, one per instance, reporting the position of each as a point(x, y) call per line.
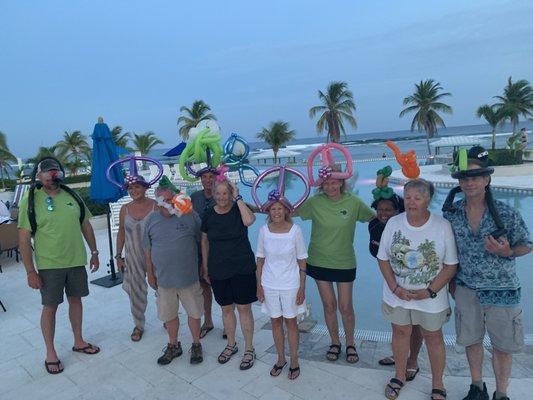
point(401, 337)
point(437, 356)
point(416, 344)
point(172, 327)
point(344, 290)
point(329, 303)
point(502, 364)
point(208, 301)
point(293, 335)
point(247, 324)
point(48, 327)
point(194, 326)
point(474, 354)
point(230, 322)
point(279, 339)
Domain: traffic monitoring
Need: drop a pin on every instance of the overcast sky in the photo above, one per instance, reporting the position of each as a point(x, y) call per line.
point(64, 63)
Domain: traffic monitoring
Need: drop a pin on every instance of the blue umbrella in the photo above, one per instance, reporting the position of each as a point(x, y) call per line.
point(102, 190)
point(104, 153)
point(176, 151)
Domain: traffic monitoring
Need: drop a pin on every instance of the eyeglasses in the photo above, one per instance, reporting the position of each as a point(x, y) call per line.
point(50, 203)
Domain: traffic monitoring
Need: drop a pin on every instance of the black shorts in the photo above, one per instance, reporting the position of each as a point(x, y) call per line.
point(330, 274)
point(72, 281)
point(239, 289)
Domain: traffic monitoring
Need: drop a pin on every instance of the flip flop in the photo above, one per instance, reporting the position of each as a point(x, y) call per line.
point(387, 361)
point(205, 330)
point(411, 373)
point(86, 349)
point(276, 369)
point(292, 373)
point(47, 366)
point(137, 334)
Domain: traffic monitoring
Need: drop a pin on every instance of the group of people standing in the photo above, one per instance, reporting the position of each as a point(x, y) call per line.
point(421, 255)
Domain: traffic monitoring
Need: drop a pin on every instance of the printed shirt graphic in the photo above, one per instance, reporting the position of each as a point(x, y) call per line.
point(416, 256)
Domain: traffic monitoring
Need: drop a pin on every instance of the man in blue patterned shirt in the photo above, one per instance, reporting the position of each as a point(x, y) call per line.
point(489, 236)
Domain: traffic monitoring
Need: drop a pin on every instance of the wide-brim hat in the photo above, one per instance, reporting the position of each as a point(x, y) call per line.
point(477, 155)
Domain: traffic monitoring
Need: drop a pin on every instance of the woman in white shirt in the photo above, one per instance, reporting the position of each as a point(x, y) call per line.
point(417, 257)
point(281, 261)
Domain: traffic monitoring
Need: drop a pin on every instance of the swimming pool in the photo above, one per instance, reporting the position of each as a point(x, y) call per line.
point(367, 287)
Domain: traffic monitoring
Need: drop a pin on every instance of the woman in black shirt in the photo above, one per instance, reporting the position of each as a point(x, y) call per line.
point(228, 263)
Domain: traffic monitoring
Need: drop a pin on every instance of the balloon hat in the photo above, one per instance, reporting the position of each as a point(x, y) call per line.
point(236, 151)
point(180, 204)
point(204, 147)
point(278, 194)
point(133, 176)
point(476, 155)
point(326, 171)
point(407, 161)
point(384, 192)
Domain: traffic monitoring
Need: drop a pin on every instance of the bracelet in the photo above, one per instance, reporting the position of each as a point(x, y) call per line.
point(237, 198)
point(119, 257)
point(395, 289)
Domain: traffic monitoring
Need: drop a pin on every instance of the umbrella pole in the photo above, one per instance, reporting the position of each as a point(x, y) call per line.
point(113, 279)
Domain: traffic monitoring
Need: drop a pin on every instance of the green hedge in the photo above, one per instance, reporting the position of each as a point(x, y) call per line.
point(95, 208)
point(77, 178)
point(505, 157)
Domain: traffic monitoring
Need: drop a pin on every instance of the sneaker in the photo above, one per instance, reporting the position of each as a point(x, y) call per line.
point(196, 353)
point(501, 398)
point(476, 393)
point(169, 353)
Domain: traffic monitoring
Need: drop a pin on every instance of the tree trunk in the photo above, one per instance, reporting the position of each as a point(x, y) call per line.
point(493, 138)
point(427, 142)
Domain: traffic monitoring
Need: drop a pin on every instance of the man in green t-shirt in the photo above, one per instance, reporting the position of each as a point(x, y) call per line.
point(60, 256)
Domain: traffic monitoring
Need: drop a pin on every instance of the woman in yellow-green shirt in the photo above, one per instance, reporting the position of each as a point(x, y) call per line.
point(334, 213)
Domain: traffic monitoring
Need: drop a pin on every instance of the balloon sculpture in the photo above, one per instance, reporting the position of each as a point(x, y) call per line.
point(133, 175)
point(407, 161)
point(204, 147)
point(278, 194)
point(326, 170)
point(236, 151)
point(382, 191)
point(180, 204)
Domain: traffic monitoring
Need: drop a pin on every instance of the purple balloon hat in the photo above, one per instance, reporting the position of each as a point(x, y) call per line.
point(133, 176)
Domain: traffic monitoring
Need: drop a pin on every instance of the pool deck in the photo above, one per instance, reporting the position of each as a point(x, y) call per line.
point(128, 370)
point(512, 179)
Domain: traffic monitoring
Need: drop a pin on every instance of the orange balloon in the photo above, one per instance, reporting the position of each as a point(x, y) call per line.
point(407, 161)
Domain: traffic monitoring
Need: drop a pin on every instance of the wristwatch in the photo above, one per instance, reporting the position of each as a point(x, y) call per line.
point(432, 294)
point(95, 252)
point(119, 257)
point(237, 198)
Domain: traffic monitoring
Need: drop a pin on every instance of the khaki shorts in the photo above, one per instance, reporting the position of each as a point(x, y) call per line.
point(503, 324)
point(191, 299)
point(402, 316)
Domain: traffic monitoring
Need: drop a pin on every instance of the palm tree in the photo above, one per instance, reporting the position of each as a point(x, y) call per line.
point(338, 105)
point(73, 148)
point(121, 139)
point(5, 157)
point(494, 116)
point(426, 102)
point(144, 143)
point(517, 100)
point(198, 112)
point(44, 151)
point(276, 136)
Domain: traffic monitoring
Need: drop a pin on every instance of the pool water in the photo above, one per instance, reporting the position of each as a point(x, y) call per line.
point(368, 284)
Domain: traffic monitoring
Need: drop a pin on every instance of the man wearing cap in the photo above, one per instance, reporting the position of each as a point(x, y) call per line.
point(201, 201)
point(170, 245)
point(489, 236)
point(53, 214)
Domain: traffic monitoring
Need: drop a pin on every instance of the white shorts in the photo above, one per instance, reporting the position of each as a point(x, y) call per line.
point(282, 303)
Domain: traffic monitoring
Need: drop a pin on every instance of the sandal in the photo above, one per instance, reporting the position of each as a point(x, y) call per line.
point(411, 373)
point(352, 358)
point(332, 354)
point(89, 349)
point(392, 392)
point(56, 363)
point(226, 354)
point(276, 369)
point(387, 361)
point(440, 392)
point(137, 334)
point(294, 373)
point(205, 330)
point(247, 364)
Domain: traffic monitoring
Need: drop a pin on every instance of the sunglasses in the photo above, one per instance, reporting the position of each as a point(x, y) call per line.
point(50, 203)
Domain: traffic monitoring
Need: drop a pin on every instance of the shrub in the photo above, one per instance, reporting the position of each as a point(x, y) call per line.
point(77, 178)
point(505, 157)
point(94, 208)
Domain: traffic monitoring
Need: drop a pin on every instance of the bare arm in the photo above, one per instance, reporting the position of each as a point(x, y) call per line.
point(121, 238)
point(441, 280)
point(248, 217)
point(34, 280)
point(300, 296)
point(88, 234)
point(205, 255)
point(388, 275)
point(260, 262)
point(152, 281)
